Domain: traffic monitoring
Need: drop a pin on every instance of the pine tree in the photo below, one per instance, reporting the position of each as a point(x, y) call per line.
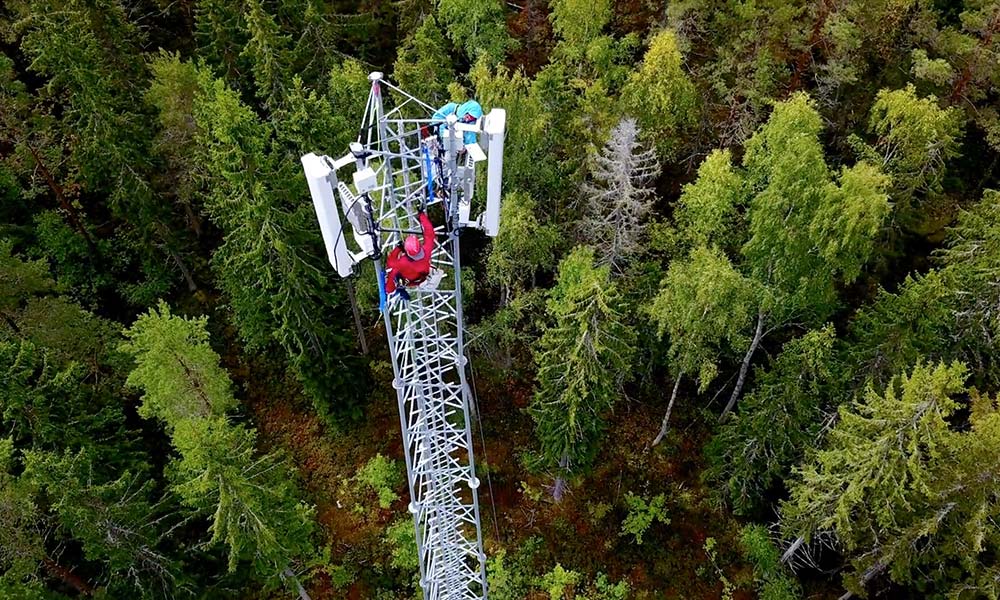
point(971, 268)
point(582, 360)
point(39, 398)
point(23, 279)
point(528, 147)
point(959, 57)
point(86, 51)
point(945, 314)
point(617, 200)
point(38, 148)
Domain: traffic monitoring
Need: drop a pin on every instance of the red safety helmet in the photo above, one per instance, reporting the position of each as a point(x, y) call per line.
point(412, 246)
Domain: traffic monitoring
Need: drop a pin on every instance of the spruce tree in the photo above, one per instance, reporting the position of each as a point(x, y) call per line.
point(252, 504)
point(778, 422)
point(907, 494)
point(176, 368)
point(617, 198)
point(583, 358)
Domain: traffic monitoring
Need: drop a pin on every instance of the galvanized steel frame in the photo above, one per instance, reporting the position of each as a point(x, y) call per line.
point(427, 349)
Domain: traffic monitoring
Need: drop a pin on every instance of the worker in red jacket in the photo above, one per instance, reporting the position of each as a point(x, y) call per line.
point(410, 264)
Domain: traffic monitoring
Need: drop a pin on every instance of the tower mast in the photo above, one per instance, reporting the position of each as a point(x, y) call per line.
point(404, 158)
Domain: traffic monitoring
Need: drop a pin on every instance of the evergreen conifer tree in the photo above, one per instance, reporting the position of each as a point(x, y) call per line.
point(582, 359)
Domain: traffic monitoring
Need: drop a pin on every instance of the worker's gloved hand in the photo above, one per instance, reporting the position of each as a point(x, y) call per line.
point(403, 294)
point(418, 205)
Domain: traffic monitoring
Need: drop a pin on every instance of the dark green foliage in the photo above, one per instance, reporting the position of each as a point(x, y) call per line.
point(39, 396)
point(116, 522)
point(944, 314)
point(270, 264)
point(777, 423)
point(818, 233)
point(250, 503)
point(582, 360)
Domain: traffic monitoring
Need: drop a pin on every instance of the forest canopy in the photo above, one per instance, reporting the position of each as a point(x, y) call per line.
point(737, 336)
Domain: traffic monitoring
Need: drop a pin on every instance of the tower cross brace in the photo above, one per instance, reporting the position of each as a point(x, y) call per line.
point(403, 158)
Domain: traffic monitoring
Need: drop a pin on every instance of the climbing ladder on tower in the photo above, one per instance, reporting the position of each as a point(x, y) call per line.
point(403, 158)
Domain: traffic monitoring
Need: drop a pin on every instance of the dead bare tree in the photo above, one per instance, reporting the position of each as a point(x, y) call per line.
point(618, 195)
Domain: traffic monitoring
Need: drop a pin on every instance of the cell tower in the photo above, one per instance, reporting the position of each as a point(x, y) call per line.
point(407, 153)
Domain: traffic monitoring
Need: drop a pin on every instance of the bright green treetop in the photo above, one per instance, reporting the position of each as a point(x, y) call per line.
point(423, 65)
point(476, 26)
point(22, 532)
point(702, 309)
point(805, 230)
point(661, 96)
point(523, 247)
point(176, 368)
point(915, 138)
point(579, 22)
point(707, 211)
point(904, 490)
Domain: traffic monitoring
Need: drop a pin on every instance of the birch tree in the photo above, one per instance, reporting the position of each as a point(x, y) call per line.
point(618, 196)
point(703, 309)
point(661, 96)
point(806, 228)
point(915, 138)
point(708, 211)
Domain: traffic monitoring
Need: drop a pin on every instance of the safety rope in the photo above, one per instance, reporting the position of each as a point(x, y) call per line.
point(486, 459)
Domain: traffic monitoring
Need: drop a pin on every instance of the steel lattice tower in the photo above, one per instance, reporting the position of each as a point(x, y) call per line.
point(400, 160)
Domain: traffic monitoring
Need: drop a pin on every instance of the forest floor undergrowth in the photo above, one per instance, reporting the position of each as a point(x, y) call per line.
point(583, 532)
